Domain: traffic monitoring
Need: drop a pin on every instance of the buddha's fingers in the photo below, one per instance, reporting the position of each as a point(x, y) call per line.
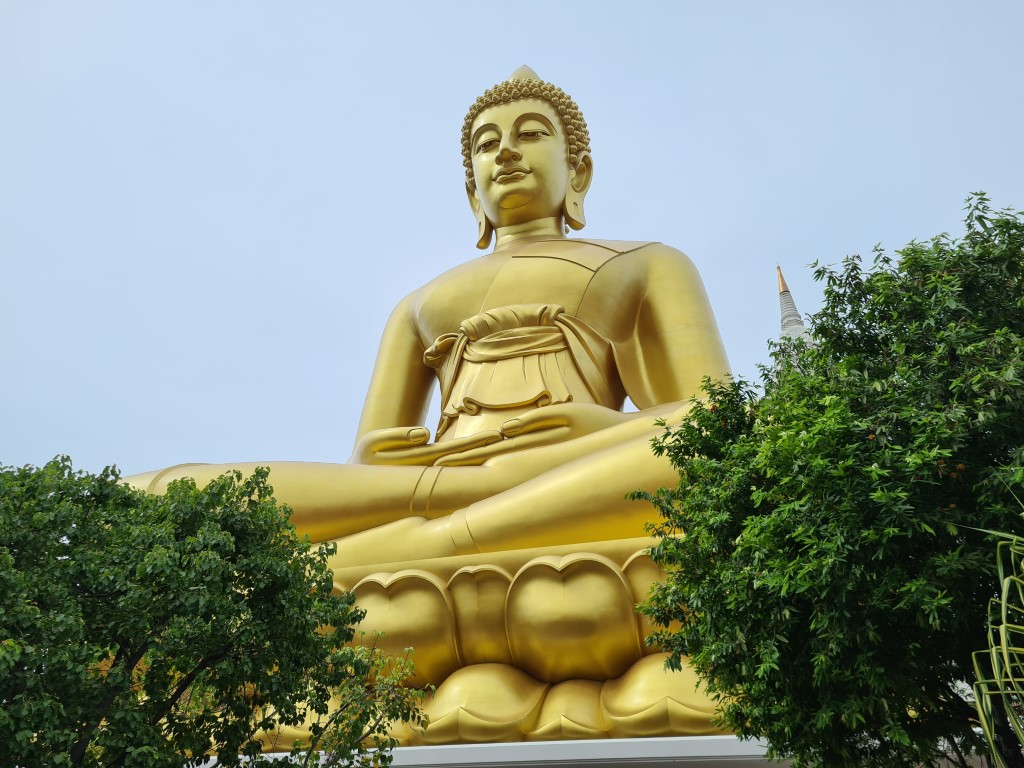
point(391, 438)
point(428, 455)
point(549, 435)
point(580, 418)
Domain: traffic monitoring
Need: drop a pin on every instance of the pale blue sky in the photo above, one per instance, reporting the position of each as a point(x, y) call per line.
point(208, 209)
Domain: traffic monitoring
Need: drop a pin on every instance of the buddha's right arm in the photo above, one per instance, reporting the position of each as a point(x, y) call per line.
point(399, 391)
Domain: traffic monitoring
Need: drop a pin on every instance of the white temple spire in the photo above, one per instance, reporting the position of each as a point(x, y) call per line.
point(792, 326)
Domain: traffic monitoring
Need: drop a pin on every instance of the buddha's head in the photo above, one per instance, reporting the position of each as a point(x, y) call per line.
point(526, 150)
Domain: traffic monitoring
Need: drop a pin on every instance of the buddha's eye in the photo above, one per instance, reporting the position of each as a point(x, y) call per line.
point(486, 145)
point(534, 134)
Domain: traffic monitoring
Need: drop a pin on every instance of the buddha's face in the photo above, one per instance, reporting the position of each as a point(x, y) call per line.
point(520, 162)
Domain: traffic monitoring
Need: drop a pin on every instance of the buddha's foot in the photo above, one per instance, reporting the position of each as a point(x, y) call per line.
point(406, 539)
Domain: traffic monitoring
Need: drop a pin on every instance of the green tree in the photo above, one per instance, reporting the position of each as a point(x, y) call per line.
point(138, 629)
point(831, 584)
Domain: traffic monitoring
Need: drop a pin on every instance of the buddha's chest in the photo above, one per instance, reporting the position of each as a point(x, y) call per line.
point(538, 280)
point(518, 280)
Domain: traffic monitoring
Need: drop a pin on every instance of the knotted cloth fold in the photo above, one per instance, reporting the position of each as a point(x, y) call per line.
point(522, 355)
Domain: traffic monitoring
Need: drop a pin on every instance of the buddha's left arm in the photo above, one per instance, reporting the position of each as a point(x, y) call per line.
point(674, 342)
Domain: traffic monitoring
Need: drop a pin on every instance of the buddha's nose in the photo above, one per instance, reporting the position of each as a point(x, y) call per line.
point(507, 154)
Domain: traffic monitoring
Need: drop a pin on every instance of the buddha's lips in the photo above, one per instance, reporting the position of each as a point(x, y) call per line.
point(510, 171)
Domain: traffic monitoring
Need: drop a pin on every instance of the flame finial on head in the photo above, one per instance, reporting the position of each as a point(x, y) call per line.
point(524, 73)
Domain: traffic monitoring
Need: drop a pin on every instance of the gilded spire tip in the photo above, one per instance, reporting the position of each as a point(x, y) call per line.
point(524, 73)
point(783, 288)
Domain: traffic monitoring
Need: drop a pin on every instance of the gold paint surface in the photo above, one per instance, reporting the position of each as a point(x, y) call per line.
point(571, 710)
point(649, 700)
point(411, 609)
point(572, 617)
point(642, 573)
point(478, 599)
point(483, 703)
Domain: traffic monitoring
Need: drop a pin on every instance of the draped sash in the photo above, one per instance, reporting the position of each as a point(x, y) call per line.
point(518, 356)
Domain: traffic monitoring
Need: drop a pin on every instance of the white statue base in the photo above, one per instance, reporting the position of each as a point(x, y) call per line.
point(688, 751)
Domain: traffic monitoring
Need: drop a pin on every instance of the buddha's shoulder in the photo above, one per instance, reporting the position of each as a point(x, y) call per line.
point(594, 254)
point(463, 283)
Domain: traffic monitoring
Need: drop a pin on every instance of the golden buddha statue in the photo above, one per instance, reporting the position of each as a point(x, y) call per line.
point(505, 550)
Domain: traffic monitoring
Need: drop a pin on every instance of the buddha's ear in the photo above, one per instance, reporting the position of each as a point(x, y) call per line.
point(483, 226)
point(576, 190)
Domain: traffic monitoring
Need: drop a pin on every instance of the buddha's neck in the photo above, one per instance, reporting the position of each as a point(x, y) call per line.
point(550, 228)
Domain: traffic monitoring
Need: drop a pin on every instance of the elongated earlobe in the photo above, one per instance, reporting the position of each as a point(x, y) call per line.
point(572, 210)
point(484, 230)
point(575, 191)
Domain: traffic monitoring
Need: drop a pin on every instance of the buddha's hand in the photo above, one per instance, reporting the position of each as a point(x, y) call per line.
point(544, 426)
point(407, 446)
